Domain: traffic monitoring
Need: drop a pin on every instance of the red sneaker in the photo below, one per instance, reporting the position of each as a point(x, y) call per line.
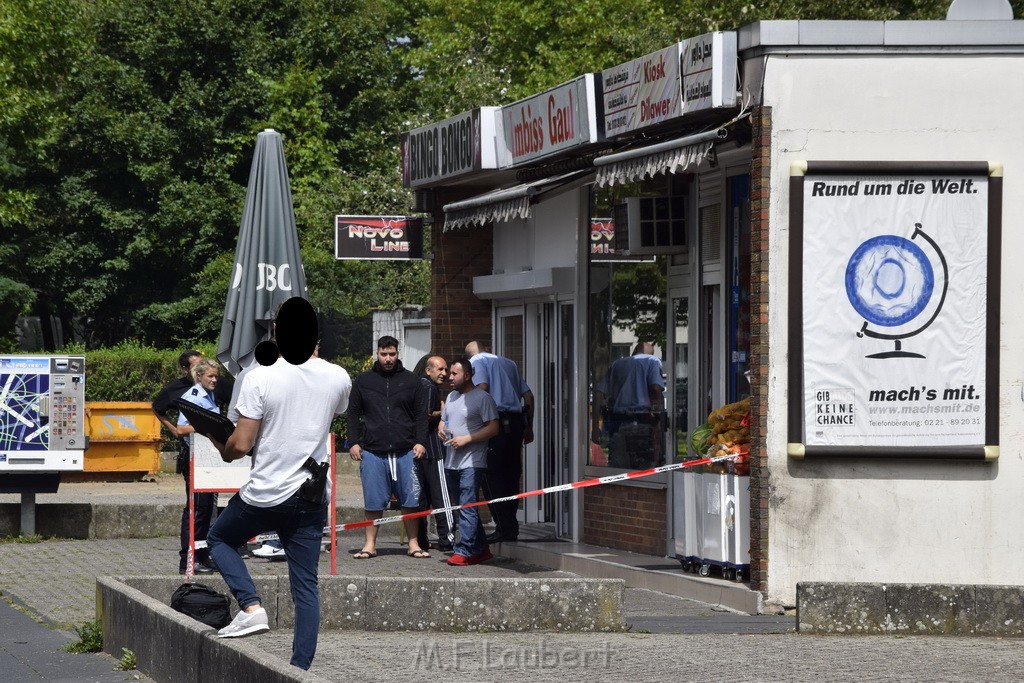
point(459, 560)
point(480, 557)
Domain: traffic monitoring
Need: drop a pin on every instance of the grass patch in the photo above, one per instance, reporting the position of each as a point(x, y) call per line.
point(90, 638)
point(31, 538)
point(127, 661)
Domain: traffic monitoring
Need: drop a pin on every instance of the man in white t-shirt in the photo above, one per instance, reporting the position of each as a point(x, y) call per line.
point(285, 413)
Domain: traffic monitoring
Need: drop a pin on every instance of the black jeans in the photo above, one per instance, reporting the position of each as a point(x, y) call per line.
point(205, 504)
point(504, 470)
point(437, 494)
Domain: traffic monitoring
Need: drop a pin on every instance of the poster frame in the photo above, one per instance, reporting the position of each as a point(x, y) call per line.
point(800, 172)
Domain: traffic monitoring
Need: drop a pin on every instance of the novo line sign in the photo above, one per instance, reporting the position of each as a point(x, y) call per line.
point(378, 237)
point(457, 146)
point(553, 121)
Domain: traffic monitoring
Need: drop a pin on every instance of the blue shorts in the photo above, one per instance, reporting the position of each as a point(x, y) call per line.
point(386, 475)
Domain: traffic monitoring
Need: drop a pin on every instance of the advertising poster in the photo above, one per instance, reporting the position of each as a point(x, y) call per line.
point(392, 238)
point(895, 322)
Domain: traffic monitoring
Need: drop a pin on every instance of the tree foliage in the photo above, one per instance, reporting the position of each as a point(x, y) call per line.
point(127, 129)
point(145, 116)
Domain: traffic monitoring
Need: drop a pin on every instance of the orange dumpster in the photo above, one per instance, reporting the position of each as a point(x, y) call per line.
point(124, 436)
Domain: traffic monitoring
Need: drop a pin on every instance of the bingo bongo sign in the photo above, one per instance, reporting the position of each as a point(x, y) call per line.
point(391, 238)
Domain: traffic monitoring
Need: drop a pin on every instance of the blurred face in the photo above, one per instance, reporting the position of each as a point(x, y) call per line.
point(208, 379)
point(387, 357)
point(460, 378)
point(192, 360)
point(437, 371)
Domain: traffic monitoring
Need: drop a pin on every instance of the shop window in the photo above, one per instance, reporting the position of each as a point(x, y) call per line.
point(631, 392)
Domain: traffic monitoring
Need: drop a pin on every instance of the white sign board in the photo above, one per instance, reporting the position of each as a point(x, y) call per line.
point(211, 473)
point(708, 71)
point(553, 121)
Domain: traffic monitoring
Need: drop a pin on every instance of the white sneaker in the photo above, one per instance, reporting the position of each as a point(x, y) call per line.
point(244, 623)
point(269, 552)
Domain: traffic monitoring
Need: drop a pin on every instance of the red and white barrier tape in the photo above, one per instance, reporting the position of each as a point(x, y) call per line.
point(610, 479)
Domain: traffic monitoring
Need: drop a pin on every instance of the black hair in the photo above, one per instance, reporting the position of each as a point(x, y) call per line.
point(387, 341)
point(185, 358)
point(467, 367)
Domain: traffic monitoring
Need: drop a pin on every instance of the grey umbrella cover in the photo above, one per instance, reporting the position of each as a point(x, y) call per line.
point(268, 266)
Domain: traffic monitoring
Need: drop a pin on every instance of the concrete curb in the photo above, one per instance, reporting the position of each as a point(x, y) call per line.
point(734, 596)
point(912, 609)
point(158, 636)
point(368, 603)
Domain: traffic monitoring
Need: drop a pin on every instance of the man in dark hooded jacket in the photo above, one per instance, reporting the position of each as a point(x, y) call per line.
point(387, 425)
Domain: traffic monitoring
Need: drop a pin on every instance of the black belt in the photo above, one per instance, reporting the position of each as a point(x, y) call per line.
point(645, 416)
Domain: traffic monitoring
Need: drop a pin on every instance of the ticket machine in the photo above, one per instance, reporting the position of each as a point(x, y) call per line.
point(42, 414)
point(42, 425)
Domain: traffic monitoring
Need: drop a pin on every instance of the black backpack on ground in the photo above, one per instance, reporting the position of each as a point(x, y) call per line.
point(202, 603)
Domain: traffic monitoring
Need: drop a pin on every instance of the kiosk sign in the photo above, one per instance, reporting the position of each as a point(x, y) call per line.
point(642, 92)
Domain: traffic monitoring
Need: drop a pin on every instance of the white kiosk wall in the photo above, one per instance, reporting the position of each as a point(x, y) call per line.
point(891, 520)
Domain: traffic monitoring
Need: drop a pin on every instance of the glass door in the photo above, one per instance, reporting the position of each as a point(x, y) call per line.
point(565, 418)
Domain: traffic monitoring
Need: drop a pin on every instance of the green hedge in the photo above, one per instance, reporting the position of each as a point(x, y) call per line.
point(129, 371)
point(132, 371)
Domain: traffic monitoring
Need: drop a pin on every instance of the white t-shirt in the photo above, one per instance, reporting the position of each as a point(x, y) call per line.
point(296, 404)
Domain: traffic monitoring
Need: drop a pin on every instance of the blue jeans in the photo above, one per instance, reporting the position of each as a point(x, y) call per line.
point(300, 524)
point(471, 530)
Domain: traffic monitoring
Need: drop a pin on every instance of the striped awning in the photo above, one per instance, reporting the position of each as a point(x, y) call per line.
point(505, 204)
point(673, 156)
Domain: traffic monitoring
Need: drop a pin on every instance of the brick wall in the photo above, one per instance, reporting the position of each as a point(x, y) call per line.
point(625, 517)
point(760, 179)
point(457, 315)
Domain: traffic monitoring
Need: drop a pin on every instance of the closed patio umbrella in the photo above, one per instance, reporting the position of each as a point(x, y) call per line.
point(268, 266)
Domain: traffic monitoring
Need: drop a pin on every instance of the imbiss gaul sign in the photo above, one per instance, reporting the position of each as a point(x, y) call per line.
point(457, 146)
point(395, 238)
point(555, 120)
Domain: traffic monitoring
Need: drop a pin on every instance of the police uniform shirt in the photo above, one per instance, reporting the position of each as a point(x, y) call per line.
point(503, 381)
point(630, 379)
point(200, 397)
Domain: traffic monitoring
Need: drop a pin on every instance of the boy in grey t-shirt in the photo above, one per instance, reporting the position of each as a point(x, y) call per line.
point(471, 418)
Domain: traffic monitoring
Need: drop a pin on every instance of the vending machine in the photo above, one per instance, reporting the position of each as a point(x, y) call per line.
point(42, 414)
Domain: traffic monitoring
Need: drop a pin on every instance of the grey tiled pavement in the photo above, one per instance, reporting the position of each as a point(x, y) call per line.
point(55, 580)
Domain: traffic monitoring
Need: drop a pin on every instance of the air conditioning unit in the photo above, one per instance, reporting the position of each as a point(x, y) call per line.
point(650, 225)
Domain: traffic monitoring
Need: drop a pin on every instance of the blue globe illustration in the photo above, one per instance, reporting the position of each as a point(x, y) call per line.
point(889, 280)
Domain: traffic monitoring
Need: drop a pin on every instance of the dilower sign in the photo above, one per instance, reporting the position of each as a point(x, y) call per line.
point(696, 74)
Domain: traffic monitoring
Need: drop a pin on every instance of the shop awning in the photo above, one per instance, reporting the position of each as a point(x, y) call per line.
point(643, 162)
point(505, 204)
